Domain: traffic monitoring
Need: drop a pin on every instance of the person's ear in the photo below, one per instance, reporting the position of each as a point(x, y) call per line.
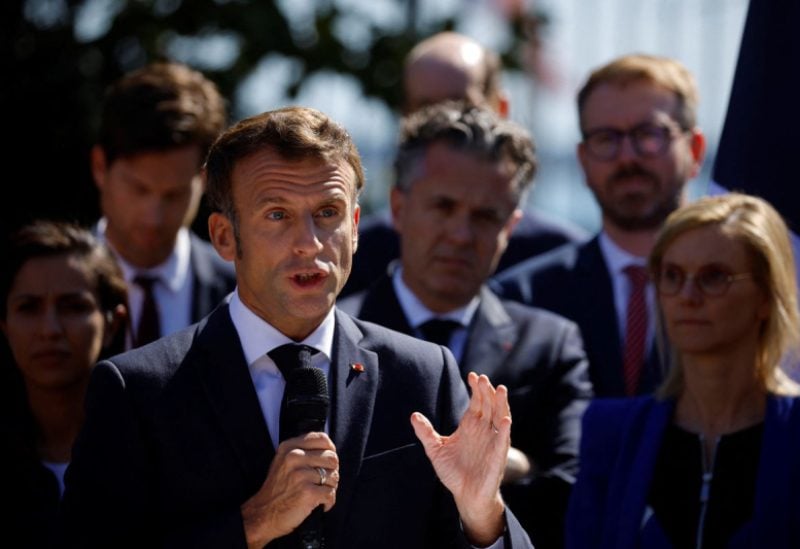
point(503, 105)
point(220, 232)
point(99, 166)
point(697, 145)
point(356, 221)
point(114, 320)
point(397, 200)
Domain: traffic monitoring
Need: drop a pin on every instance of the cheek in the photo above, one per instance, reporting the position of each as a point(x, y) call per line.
point(86, 333)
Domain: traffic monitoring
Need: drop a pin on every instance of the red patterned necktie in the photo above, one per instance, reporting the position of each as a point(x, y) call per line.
point(635, 329)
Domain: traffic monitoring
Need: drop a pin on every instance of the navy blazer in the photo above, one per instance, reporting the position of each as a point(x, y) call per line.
point(379, 245)
point(214, 278)
point(574, 281)
point(620, 446)
point(175, 442)
point(539, 356)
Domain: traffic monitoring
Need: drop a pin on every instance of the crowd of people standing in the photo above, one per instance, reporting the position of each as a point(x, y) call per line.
point(450, 372)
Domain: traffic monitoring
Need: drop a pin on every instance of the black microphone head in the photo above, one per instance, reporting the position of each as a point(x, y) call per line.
point(307, 382)
point(307, 400)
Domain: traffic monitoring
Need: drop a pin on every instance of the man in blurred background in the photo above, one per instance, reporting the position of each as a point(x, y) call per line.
point(156, 126)
point(641, 146)
point(450, 65)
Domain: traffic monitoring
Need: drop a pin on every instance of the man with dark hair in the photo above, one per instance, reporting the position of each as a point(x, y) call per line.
point(461, 174)
point(156, 126)
point(453, 66)
point(185, 442)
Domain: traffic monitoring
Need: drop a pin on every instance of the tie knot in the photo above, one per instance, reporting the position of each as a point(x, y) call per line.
point(145, 281)
point(637, 274)
point(439, 330)
point(291, 356)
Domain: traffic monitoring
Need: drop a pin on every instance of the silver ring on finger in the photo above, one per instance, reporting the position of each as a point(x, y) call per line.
point(323, 475)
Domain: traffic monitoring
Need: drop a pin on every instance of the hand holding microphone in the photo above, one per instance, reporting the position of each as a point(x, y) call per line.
point(304, 475)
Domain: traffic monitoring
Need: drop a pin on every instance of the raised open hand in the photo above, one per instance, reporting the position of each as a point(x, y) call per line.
point(471, 461)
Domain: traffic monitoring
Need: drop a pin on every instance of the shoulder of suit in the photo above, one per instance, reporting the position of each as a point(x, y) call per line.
point(543, 318)
point(351, 304)
point(378, 337)
point(605, 412)
point(558, 260)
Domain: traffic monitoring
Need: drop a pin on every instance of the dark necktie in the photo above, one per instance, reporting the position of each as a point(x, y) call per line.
point(635, 329)
point(287, 358)
point(149, 328)
point(439, 330)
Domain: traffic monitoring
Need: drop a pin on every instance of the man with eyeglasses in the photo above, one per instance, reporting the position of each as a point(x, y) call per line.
point(640, 147)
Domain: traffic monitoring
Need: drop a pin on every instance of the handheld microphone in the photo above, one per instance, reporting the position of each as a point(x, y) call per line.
point(307, 404)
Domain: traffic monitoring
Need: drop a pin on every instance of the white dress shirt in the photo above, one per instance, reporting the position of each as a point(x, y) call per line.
point(616, 260)
point(417, 313)
point(173, 292)
point(258, 338)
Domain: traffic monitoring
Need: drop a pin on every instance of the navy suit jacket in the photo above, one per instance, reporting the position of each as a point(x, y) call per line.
point(619, 449)
point(539, 356)
point(175, 442)
point(574, 281)
point(214, 278)
point(379, 245)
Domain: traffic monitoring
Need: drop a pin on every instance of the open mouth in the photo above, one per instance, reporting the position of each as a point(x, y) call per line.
point(307, 279)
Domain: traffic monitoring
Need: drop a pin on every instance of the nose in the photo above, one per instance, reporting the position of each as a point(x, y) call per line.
point(307, 241)
point(152, 213)
point(50, 322)
point(459, 229)
point(689, 290)
point(627, 152)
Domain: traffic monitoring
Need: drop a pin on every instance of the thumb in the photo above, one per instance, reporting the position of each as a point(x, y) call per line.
point(425, 432)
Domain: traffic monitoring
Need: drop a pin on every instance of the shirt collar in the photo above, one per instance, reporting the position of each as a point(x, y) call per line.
point(417, 313)
point(258, 337)
point(172, 272)
point(617, 258)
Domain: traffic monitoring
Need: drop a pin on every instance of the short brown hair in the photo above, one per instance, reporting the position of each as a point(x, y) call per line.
point(293, 133)
point(660, 71)
point(161, 106)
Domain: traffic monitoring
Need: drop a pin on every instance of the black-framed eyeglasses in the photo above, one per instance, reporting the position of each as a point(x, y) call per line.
point(648, 140)
point(711, 280)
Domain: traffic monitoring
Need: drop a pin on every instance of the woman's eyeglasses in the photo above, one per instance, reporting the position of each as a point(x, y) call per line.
point(711, 280)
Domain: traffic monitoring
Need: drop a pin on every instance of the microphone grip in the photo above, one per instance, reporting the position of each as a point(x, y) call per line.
point(310, 530)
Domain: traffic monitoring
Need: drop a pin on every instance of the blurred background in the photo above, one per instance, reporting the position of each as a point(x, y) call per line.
point(343, 57)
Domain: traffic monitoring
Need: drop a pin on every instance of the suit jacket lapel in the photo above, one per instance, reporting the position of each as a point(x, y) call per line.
point(634, 471)
point(491, 337)
point(593, 305)
point(380, 305)
point(353, 401)
point(226, 379)
point(775, 493)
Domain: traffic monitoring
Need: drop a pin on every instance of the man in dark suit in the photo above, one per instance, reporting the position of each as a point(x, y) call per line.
point(640, 147)
point(461, 173)
point(181, 441)
point(156, 126)
point(452, 66)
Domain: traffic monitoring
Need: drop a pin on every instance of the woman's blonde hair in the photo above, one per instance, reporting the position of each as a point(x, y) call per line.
point(755, 223)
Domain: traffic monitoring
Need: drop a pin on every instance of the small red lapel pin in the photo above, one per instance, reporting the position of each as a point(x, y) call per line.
point(357, 367)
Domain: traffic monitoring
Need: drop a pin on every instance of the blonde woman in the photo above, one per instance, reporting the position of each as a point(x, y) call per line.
point(713, 459)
